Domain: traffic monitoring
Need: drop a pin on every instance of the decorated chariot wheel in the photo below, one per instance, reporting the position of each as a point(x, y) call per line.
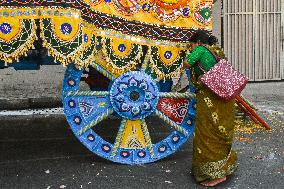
point(113, 37)
point(132, 97)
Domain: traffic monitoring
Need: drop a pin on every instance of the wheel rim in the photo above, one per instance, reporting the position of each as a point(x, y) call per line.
point(133, 145)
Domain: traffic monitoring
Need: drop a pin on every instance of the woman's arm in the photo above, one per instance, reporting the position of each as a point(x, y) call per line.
point(195, 55)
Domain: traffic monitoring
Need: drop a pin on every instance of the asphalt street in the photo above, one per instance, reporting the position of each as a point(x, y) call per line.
point(43, 153)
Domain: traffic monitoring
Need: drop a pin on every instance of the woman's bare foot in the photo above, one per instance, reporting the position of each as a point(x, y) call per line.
point(213, 182)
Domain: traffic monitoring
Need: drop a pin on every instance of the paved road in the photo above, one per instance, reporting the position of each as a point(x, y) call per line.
point(43, 153)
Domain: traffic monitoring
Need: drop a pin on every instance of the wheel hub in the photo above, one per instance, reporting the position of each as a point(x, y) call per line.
point(134, 95)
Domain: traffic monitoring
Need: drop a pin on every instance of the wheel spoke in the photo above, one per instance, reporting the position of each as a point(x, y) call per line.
point(79, 93)
point(175, 109)
point(97, 120)
point(133, 134)
point(147, 137)
point(118, 139)
point(87, 107)
point(171, 123)
point(187, 95)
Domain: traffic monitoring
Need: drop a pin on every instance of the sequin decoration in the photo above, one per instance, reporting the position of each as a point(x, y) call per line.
point(91, 137)
point(185, 11)
point(125, 154)
point(176, 139)
point(168, 54)
point(86, 38)
point(106, 148)
point(121, 47)
point(141, 154)
point(66, 28)
point(162, 149)
point(71, 82)
point(72, 104)
point(77, 120)
point(5, 28)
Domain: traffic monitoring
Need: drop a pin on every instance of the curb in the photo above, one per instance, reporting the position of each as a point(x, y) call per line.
point(40, 116)
point(30, 103)
point(25, 117)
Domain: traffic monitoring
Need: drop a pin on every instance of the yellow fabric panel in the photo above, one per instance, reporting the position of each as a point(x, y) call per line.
point(57, 22)
point(15, 34)
point(115, 47)
point(16, 25)
point(89, 33)
point(175, 54)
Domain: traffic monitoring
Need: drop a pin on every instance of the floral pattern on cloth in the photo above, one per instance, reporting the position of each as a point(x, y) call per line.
point(213, 156)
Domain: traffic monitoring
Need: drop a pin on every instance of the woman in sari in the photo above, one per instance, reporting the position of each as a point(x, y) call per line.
point(213, 159)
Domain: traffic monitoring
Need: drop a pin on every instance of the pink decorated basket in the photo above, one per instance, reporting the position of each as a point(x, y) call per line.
point(224, 80)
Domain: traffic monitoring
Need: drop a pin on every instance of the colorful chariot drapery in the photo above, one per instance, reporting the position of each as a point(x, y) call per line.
point(108, 33)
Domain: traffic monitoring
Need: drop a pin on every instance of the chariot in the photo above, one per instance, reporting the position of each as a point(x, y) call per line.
point(127, 51)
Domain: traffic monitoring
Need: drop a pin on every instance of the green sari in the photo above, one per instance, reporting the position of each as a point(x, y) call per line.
point(213, 156)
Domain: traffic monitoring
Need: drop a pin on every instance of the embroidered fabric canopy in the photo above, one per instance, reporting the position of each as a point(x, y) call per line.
point(110, 33)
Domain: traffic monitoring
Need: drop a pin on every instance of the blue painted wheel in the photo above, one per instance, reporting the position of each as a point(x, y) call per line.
point(133, 97)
